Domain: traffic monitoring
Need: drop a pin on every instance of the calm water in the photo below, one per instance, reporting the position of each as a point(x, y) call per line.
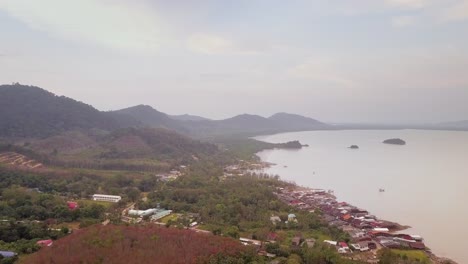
point(425, 181)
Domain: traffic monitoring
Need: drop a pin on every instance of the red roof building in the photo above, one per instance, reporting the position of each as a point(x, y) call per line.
point(343, 245)
point(346, 217)
point(72, 205)
point(46, 243)
point(272, 236)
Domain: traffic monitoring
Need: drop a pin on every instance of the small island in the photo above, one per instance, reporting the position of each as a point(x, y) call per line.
point(290, 145)
point(354, 147)
point(395, 141)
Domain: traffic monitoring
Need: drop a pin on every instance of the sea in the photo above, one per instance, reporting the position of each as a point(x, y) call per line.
point(425, 181)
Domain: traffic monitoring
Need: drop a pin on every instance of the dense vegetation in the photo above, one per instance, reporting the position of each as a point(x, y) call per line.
point(134, 149)
point(87, 151)
point(232, 207)
point(28, 111)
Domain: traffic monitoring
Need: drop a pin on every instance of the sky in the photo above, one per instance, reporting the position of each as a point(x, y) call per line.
point(384, 61)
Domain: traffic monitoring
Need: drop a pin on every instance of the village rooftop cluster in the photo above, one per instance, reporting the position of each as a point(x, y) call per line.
point(367, 232)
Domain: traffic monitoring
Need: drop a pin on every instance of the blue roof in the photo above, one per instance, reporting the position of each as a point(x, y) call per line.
point(7, 254)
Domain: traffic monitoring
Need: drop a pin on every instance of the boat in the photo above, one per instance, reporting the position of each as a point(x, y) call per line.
point(381, 190)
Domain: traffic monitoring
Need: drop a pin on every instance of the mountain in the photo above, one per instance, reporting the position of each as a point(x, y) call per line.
point(251, 125)
point(296, 122)
point(151, 117)
point(187, 117)
point(29, 111)
point(32, 112)
point(244, 124)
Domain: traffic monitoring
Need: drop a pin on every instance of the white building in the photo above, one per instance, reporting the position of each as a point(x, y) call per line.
point(106, 198)
point(143, 212)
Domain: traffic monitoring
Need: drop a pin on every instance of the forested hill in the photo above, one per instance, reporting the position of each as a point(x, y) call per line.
point(152, 117)
point(240, 125)
point(32, 112)
point(29, 111)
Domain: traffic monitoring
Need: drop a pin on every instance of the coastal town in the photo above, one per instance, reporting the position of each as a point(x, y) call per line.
point(367, 233)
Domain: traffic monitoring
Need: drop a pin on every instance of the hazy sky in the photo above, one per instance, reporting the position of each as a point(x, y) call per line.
point(334, 60)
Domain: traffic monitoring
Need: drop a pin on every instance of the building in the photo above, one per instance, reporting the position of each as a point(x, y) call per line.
point(247, 241)
point(275, 219)
point(296, 241)
point(160, 214)
point(292, 218)
point(310, 242)
point(46, 243)
point(8, 254)
point(106, 198)
point(72, 205)
point(143, 212)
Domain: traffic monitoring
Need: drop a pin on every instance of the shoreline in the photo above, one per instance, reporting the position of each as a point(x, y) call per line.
point(308, 198)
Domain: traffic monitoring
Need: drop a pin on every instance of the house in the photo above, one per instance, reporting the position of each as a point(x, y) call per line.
point(417, 245)
point(72, 205)
point(296, 241)
point(272, 236)
point(330, 242)
point(389, 243)
point(346, 217)
point(381, 229)
point(403, 242)
point(46, 243)
point(343, 245)
point(356, 246)
point(372, 245)
point(417, 238)
point(291, 218)
point(247, 241)
point(310, 242)
point(266, 254)
point(275, 219)
point(8, 254)
point(342, 251)
point(363, 246)
point(106, 198)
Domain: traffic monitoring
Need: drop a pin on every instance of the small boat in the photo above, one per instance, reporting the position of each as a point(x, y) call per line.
point(381, 190)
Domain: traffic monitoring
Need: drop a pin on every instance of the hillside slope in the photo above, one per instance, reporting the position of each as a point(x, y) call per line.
point(140, 244)
point(296, 122)
point(151, 117)
point(143, 149)
point(28, 111)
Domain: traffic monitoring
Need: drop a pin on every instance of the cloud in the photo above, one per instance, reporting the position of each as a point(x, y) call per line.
point(215, 44)
point(119, 25)
point(403, 21)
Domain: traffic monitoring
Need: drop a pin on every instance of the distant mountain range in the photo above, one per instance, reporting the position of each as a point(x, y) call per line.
point(32, 112)
point(187, 117)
